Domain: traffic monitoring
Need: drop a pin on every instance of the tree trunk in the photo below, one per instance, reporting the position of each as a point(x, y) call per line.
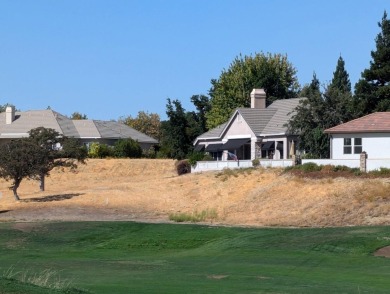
point(15, 189)
point(42, 180)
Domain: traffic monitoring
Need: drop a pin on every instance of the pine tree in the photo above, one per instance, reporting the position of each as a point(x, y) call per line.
point(372, 92)
point(338, 97)
point(309, 122)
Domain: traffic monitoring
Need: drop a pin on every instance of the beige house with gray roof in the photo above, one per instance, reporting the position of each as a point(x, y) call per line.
point(14, 124)
point(256, 132)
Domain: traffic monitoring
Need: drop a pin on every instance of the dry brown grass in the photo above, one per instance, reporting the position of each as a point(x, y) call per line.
point(150, 190)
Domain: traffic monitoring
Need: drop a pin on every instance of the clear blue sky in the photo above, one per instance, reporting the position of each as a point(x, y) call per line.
point(108, 59)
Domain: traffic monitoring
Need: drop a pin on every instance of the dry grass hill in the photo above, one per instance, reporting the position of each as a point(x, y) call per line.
point(150, 190)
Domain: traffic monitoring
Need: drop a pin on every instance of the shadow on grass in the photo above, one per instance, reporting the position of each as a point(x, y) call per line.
point(5, 211)
point(58, 197)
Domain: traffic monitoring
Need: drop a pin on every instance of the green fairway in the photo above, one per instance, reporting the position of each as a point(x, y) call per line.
point(126, 257)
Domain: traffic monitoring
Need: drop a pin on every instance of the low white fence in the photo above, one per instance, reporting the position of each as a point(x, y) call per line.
point(276, 162)
point(220, 165)
point(372, 164)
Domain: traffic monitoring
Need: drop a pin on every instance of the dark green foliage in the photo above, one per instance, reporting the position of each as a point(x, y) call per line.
point(255, 162)
point(70, 152)
point(202, 106)
point(273, 72)
point(309, 121)
point(97, 150)
point(322, 111)
point(310, 167)
point(372, 92)
point(73, 148)
point(175, 140)
point(195, 156)
point(127, 148)
point(183, 167)
point(23, 158)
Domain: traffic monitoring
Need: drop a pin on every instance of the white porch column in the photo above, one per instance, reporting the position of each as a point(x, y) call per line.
point(253, 148)
point(285, 149)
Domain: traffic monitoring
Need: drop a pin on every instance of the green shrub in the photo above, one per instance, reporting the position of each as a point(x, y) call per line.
point(150, 153)
point(127, 148)
point(383, 171)
point(207, 157)
point(97, 150)
point(183, 167)
point(337, 168)
point(310, 167)
point(255, 162)
point(195, 157)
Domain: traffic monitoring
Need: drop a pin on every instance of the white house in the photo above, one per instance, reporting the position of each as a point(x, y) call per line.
point(370, 133)
point(256, 132)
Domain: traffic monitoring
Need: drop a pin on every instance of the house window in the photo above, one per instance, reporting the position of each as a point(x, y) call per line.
point(354, 144)
point(347, 145)
point(357, 148)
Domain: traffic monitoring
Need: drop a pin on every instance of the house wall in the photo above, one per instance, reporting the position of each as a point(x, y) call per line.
point(376, 145)
point(239, 128)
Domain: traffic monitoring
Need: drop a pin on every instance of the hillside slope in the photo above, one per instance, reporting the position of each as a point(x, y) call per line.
point(150, 190)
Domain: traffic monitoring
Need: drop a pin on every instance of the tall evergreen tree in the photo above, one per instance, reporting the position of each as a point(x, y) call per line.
point(308, 121)
point(372, 91)
point(175, 141)
point(338, 97)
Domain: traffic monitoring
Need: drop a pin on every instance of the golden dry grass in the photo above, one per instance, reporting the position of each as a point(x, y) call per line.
point(150, 190)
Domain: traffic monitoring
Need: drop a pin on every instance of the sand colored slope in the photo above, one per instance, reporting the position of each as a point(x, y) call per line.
point(150, 190)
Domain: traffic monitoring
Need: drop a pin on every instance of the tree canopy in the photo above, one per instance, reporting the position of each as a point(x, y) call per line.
point(372, 92)
point(272, 72)
point(321, 111)
point(145, 122)
point(21, 159)
point(78, 116)
point(34, 157)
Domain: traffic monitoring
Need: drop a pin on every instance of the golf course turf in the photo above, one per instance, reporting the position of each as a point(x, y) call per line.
point(129, 257)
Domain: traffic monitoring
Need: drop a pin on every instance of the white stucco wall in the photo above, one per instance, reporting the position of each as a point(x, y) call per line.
point(377, 145)
point(239, 128)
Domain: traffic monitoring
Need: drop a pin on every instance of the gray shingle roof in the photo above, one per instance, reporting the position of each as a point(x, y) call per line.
point(213, 133)
point(116, 130)
point(284, 111)
point(86, 128)
point(27, 120)
point(257, 119)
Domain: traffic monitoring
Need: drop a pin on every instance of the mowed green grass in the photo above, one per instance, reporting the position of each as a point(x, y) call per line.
point(127, 257)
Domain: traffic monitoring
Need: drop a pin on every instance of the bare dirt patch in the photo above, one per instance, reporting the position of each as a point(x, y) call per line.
point(150, 190)
point(385, 252)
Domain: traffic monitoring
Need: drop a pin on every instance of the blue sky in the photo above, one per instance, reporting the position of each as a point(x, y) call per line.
point(109, 59)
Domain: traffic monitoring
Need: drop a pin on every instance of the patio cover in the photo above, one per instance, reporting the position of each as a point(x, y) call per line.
point(199, 147)
point(234, 143)
point(214, 147)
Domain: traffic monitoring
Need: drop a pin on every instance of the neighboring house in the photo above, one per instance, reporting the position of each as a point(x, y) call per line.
point(256, 132)
point(370, 133)
point(15, 125)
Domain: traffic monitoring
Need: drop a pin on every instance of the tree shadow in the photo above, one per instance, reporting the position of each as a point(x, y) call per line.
point(58, 197)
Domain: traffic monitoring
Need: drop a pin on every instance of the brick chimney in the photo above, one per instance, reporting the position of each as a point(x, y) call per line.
point(9, 114)
point(258, 98)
